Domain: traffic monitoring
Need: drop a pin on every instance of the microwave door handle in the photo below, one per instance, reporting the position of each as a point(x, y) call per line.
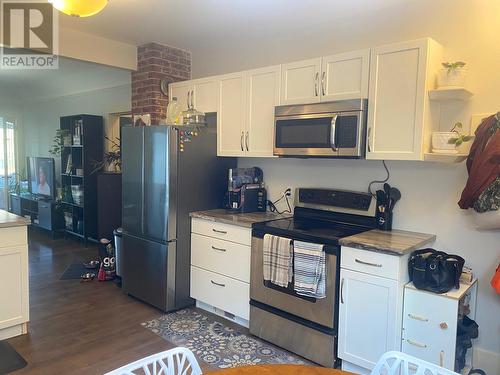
point(333, 125)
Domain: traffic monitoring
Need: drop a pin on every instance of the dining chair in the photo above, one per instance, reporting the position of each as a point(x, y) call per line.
point(397, 363)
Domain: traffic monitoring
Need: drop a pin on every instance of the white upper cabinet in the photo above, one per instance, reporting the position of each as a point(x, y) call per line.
point(263, 94)
point(336, 77)
point(345, 76)
point(398, 112)
point(201, 93)
point(300, 82)
point(231, 115)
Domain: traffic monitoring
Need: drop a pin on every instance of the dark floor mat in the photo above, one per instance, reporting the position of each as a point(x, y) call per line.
point(75, 271)
point(10, 360)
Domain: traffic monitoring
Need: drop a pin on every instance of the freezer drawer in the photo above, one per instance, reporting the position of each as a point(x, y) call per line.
point(145, 270)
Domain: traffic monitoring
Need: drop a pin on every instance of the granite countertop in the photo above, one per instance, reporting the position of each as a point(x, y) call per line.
point(240, 219)
point(396, 242)
point(8, 220)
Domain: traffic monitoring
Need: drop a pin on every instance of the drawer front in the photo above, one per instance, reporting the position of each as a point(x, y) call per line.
point(224, 257)
point(429, 333)
point(370, 262)
point(14, 236)
point(45, 215)
point(220, 291)
point(222, 231)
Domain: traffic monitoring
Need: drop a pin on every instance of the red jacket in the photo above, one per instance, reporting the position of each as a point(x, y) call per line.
point(483, 162)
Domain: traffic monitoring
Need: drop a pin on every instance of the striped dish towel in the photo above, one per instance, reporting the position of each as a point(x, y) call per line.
point(277, 260)
point(309, 269)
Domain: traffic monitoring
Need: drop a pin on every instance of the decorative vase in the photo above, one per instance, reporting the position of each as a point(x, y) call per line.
point(451, 78)
point(441, 142)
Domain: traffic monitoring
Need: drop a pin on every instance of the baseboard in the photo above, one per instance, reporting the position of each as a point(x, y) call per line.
point(487, 361)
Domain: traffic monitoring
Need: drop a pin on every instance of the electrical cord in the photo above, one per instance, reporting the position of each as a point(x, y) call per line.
point(379, 181)
point(272, 205)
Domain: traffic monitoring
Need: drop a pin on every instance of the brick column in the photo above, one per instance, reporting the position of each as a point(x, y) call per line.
point(156, 62)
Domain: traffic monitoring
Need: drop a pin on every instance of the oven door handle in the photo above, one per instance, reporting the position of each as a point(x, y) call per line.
point(342, 291)
point(333, 128)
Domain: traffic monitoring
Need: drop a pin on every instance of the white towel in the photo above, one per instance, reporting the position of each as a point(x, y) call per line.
point(277, 260)
point(309, 269)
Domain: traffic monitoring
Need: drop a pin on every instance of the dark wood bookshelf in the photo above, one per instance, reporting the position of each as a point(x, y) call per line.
point(81, 219)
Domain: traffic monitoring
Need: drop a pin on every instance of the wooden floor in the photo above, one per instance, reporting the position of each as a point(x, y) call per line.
point(80, 328)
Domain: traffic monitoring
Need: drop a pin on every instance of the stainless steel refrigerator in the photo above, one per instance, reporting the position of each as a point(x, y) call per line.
point(161, 186)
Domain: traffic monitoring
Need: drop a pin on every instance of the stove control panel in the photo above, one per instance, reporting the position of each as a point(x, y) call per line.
point(333, 199)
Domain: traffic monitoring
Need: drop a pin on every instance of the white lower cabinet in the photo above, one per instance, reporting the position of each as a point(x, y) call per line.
point(371, 303)
point(14, 284)
point(220, 268)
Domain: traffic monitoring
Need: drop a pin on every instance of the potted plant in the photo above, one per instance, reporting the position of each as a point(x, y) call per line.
point(61, 140)
point(112, 158)
point(448, 142)
point(452, 74)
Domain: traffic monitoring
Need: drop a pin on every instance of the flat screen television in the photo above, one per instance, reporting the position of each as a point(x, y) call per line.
point(41, 172)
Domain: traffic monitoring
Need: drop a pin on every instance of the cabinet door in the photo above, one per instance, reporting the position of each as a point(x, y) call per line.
point(205, 97)
point(263, 93)
point(300, 82)
point(13, 286)
point(367, 318)
point(231, 116)
point(345, 76)
point(397, 96)
point(181, 90)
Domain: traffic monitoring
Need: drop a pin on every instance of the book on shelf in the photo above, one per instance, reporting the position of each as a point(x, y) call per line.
point(68, 164)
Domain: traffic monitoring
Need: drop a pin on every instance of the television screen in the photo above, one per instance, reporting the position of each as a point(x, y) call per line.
point(41, 176)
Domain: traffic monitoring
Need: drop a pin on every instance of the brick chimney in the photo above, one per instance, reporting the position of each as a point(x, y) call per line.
point(156, 62)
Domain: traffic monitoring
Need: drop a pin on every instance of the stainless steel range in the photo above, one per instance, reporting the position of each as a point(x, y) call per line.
point(304, 325)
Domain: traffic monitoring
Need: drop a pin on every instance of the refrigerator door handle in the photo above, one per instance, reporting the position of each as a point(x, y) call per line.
point(143, 175)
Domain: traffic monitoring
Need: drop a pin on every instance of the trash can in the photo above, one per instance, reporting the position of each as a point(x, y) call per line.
point(118, 250)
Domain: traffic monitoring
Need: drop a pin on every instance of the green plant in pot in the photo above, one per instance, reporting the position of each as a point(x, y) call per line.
point(460, 137)
point(111, 158)
point(452, 74)
point(448, 142)
point(61, 139)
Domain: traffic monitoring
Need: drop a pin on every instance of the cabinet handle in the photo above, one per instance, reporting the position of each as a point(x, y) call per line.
point(369, 139)
point(219, 249)
point(222, 285)
point(219, 231)
point(241, 141)
point(441, 358)
point(323, 83)
point(192, 98)
point(368, 263)
point(416, 317)
point(417, 344)
point(246, 140)
point(316, 84)
point(342, 291)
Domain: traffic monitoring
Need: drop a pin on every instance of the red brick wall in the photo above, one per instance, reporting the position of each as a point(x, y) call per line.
point(156, 62)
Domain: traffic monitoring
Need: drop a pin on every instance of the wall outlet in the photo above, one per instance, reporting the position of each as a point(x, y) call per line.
point(476, 120)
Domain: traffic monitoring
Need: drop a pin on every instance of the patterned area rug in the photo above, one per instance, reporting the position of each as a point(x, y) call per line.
point(215, 343)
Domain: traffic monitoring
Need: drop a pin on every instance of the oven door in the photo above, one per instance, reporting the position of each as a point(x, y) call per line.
point(319, 311)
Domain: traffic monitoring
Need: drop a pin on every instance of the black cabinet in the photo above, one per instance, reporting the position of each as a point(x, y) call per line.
point(109, 203)
point(45, 214)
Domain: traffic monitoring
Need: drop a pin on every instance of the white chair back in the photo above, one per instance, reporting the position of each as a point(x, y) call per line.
point(397, 363)
point(178, 361)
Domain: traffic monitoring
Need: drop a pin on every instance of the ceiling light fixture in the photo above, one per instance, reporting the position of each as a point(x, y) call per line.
point(79, 8)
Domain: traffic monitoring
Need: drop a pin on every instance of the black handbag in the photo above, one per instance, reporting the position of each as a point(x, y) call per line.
point(435, 271)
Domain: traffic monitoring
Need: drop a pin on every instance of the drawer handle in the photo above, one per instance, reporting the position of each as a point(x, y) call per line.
point(414, 343)
point(416, 317)
point(368, 263)
point(219, 231)
point(222, 285)
point(219, 249)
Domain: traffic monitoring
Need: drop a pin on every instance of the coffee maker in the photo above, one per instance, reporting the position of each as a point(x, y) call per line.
point(245, 192)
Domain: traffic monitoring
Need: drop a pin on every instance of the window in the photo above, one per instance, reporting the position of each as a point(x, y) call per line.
point(7, 160)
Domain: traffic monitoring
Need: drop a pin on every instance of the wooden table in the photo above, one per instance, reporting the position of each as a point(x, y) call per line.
point(280, 370)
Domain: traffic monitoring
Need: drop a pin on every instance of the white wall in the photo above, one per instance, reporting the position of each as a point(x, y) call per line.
point(471, 32)
point(40, 119)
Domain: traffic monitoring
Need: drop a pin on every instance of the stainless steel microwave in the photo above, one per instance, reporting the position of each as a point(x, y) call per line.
point(335, 129)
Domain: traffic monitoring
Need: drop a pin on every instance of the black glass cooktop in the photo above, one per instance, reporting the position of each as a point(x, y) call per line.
point(310, 229)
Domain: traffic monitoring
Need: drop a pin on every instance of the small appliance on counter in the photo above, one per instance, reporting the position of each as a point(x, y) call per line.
point(246, 192)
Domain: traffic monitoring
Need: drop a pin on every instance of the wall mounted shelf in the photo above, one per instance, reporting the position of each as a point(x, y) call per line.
point(445, 158)
point(450, 93)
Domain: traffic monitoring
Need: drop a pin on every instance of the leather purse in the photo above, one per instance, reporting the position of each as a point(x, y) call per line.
point(435, 271)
